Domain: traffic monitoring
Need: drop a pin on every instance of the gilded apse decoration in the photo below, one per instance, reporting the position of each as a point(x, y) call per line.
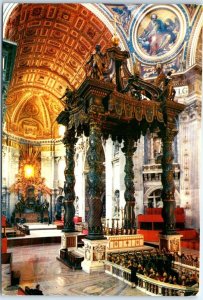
point(32, 114)
point(53, 48)
point(29, 159)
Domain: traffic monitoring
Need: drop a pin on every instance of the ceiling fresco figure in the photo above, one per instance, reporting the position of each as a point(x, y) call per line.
point(158, 35)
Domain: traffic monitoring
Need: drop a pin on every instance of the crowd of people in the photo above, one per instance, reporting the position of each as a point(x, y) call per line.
point(155, 264)
point(187, 259)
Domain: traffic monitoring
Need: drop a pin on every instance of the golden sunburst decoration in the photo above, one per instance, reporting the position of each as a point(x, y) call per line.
point(29, 172)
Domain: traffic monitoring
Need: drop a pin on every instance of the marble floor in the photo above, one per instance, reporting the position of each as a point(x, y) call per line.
point(38, 264)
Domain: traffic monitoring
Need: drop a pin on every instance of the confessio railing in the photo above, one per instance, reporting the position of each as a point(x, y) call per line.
point(148, 285)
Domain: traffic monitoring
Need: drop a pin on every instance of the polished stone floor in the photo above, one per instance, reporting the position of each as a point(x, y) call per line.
point(38, 264)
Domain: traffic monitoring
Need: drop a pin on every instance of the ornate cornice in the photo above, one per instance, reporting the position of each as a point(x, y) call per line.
point(189, 77)
point(19, 140)
point(192, 112)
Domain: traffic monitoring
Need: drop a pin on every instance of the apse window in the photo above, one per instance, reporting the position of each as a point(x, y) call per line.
point(28, 171)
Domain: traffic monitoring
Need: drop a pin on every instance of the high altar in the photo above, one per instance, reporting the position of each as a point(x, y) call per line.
point(112, 102)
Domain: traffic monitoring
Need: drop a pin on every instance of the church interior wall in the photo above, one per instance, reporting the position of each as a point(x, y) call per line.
point(10, 165)
point(80, 183)
point(109, 177)
point(53, 162)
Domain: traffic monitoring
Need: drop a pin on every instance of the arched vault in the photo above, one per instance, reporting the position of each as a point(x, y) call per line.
point(54, 44)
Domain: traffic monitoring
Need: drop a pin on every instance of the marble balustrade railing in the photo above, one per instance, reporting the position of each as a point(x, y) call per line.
point(180, 267)
point(148, 285)
point(154, 287)
point(120, 272)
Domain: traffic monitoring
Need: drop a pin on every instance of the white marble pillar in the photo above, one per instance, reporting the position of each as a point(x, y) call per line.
point(138, 160)
point(79, 183)
point(122, 175)
point(61, 168)
point(152, 160)
point(13, 169)
point(109, 177)
point(56, 170)
point(5, 163)
point(189, 145)
point(47, 168)
point(95, 256)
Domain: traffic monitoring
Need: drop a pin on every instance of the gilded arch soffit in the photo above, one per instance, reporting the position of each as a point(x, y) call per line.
point(54, 43)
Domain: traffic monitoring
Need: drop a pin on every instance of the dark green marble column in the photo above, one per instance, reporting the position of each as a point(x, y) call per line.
point(129, 215)
point(168, 198)
point(69, 184)
point(94, 178)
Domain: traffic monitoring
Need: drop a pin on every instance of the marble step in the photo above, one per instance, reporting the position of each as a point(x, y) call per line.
point(80, 251)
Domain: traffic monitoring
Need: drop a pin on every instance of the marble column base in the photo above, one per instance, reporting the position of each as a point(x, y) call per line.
point(95, 255)
point(124, 242)
point(171, 242)
point(69, 240)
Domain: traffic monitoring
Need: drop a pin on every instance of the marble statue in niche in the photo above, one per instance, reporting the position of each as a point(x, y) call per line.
point(76, 203)
point(116, 204)
point(157, 147)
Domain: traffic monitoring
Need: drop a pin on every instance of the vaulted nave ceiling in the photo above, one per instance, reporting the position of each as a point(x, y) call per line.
point(54, 44)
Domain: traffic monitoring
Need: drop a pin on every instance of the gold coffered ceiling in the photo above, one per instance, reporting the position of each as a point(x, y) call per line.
point(54, 43)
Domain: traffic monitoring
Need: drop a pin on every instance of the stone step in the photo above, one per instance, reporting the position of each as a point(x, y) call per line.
point(80, 251)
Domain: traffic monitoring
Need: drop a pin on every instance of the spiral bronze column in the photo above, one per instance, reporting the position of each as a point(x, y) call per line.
point(168, 198)
point(69, 184)
point(94, 180)
point(129, 214)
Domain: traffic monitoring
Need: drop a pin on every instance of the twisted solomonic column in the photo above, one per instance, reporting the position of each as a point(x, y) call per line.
point(129, 214)
point(169, 204)
point(94, 179)
point(69, 184)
